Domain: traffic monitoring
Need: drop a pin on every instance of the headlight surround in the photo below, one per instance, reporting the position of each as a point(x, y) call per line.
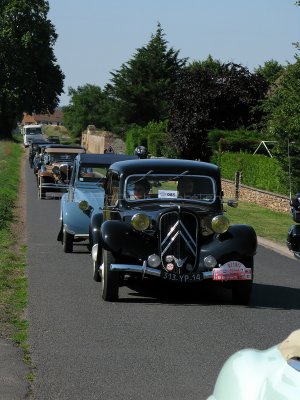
point(220, 224)
point(140, 222)
point(83, 205)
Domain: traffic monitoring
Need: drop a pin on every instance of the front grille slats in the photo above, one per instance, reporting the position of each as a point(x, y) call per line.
point(178, 240)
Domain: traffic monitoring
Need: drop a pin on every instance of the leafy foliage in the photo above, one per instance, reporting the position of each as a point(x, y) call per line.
point(30, 78)
point(141, 87)
point(212, 95)
point(283, 107)
point(88, 106)
point(258, 171)
point(220, 140)
point(154, 136)
point(271, 71)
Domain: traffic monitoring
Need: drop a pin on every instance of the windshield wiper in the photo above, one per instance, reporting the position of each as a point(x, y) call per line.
point(143, 177)
point(175, 178)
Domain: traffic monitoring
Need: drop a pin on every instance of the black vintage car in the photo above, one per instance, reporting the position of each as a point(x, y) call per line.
point(293, 237)
point(165, 218)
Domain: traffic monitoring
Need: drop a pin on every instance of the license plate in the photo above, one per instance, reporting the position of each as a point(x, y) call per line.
point(184, 278)
point(232, 271)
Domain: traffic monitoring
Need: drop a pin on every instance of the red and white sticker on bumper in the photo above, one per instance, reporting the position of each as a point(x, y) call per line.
point(232, 271)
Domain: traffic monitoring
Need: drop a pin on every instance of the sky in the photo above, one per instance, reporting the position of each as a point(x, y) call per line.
point(95, 37)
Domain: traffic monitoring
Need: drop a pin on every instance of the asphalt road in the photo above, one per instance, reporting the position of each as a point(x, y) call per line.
point(140, 347)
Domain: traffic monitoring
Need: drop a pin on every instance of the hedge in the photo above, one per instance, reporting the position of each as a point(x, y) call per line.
point(258, 171)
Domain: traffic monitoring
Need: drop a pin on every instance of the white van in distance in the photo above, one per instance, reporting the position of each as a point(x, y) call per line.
point(30, 132)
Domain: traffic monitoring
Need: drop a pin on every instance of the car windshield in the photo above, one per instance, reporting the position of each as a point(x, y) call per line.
point(92, 173)
point(62, 157)
point(170, 187)
point(33, 131)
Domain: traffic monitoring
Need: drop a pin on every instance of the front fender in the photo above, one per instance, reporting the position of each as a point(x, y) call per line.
point(121, 238)
point(238, 242)
point(95, 226)
point(74, 219)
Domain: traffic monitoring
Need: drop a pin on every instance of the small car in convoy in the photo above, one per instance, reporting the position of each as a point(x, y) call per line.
point(55, 168)
point(164, 218)
point(30, 132)
point(85, 195)
point(293, 237)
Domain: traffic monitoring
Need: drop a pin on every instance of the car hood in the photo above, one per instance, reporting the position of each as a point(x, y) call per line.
point(94, 195)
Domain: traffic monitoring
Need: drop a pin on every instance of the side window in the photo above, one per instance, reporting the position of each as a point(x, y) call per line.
point(113, 190)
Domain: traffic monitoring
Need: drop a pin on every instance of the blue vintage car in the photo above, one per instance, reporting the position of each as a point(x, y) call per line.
point(84, 196)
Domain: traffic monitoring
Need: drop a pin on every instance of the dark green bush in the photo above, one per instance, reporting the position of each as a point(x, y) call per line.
point(234, 141)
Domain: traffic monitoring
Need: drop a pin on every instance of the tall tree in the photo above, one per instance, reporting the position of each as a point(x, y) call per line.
point(88, 106)
point(30, 79)
point(271, 71)
point(283, 108)
point(212, 95)
point(141, 87)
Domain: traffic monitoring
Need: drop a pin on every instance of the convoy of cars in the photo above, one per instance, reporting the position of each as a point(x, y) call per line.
point(147, 218)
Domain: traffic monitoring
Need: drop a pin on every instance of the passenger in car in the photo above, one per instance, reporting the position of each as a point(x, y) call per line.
point(141, 189)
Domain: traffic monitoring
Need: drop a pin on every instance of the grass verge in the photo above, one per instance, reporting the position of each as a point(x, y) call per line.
point(267, 223)
point(13, 281)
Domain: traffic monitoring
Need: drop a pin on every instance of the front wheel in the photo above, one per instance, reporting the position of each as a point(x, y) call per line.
point(110, 279)
point(96, 271)
point(241, 290)
point(67, 241)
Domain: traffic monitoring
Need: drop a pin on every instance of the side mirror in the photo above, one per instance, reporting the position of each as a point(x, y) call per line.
point(232, 203)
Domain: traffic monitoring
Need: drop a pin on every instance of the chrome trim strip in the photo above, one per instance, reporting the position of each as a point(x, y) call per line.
point(170, 232)
point(142, 269)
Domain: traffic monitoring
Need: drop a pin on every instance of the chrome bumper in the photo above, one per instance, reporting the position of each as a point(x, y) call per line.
point(142, 269)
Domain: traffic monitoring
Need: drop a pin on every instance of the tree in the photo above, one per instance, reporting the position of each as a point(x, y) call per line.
point(212, 95)
point(30, 79)
point(271, 71)
point(283, 107)
point(88, 106)
point(140, 89)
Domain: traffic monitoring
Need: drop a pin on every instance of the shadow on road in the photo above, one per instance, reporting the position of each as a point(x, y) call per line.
point(275, 297)
point(207, 293)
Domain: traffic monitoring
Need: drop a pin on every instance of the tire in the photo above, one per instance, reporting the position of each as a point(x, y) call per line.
point(67, 241)
point(96, 271)
point(241, 290)
point(42, 192)
point(110, 280)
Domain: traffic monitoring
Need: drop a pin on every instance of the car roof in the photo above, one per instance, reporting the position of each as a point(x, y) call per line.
point(68, 150)
point(106, 159)
point(165, 166)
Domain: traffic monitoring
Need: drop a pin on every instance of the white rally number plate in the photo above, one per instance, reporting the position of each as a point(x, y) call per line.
point(232, 271)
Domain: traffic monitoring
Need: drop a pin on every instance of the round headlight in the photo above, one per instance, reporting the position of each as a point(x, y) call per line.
point(154, 261)
point(210, 262)
point(83, 205)
point(140, 222)
point(220, 224)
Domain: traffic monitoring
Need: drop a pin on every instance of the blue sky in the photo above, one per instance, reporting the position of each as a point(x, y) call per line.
point(95, 37)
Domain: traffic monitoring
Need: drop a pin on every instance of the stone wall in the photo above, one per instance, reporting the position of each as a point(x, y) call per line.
point(97, 141)
point(263, 198)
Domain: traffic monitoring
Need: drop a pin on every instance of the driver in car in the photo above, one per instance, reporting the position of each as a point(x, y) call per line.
point(141, 189)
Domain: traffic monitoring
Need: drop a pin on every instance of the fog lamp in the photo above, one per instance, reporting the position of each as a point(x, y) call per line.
point(140, 222)
point(220, 224)
point(154, 261)
point(83, 205)
point(210, 262)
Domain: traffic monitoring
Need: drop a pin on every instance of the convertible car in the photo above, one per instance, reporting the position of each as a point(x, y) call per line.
point(55, 168)
point(272, 374)
point(85, 195)
point(164, 218)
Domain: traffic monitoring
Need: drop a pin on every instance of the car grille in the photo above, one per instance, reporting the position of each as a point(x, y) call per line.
point(178, 241)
